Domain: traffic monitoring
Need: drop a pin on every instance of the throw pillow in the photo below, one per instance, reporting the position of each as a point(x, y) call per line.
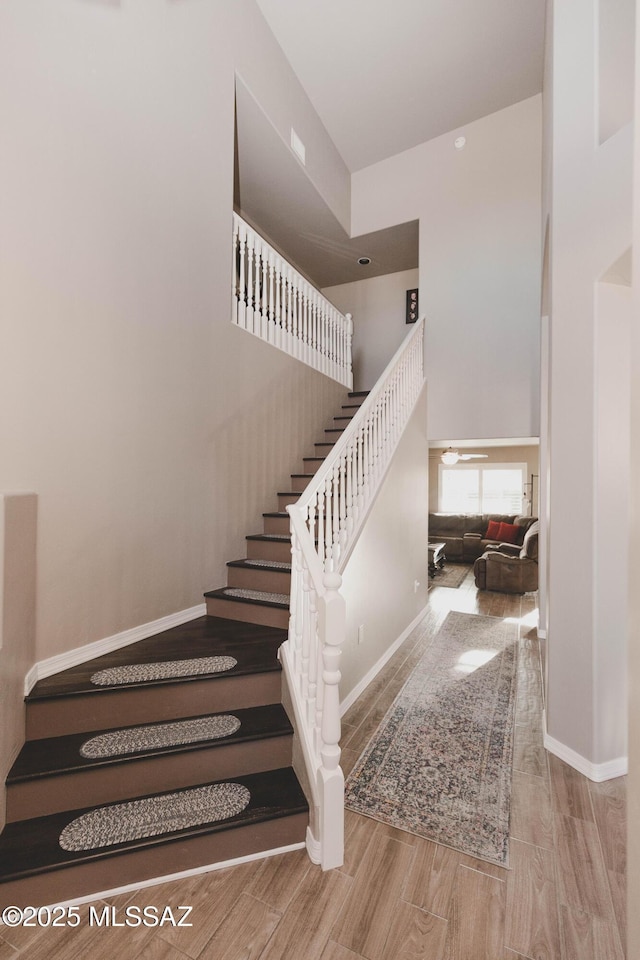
point(509, 533)
point(492, 530)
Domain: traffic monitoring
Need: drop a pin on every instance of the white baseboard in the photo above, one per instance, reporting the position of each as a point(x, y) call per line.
point(598, 772)
point(71, 658)
point(360, 687)
point(182, 875)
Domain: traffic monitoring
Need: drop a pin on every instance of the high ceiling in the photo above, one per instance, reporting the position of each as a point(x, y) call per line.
point(383, 77)
point(387, 76)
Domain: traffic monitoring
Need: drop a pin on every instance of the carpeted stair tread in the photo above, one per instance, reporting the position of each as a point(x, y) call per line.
point(274, 566)
point(136, 673)
point(252, 645)
point(59, 755)
point(160, 815)
point(241, 595)
point(31, 847)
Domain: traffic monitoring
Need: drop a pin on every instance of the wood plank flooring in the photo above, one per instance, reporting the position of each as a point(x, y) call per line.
point(397, 896)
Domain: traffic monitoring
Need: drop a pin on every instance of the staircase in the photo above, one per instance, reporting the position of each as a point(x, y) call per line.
point(169, 754)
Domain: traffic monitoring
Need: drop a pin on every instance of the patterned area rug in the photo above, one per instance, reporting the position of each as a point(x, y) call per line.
point(453, 575)
point(439, 765)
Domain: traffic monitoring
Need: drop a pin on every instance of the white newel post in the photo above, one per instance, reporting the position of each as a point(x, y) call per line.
point(330, 776)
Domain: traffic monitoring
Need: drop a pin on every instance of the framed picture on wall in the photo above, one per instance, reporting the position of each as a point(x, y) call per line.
point(412, 306)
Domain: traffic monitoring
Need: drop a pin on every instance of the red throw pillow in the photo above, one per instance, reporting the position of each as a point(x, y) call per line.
point(508, 533)
point(493, 530)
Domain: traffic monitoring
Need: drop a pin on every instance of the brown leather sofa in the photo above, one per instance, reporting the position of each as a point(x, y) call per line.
point(508, 568)
point(464, 534)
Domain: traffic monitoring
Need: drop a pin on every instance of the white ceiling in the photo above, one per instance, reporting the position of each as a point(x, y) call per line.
point(385, 76)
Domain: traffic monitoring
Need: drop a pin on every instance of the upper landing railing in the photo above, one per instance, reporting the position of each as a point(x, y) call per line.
point(275, 302)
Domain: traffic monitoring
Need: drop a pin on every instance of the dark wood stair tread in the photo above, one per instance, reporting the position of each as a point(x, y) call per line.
point(281, 537)
point(279, 514)
point(59, 755)
point(32, 847)
point(254, 646)
point(359, 393)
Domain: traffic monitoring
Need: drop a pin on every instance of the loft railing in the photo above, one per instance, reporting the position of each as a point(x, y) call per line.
point(325, 525)
point(275, 302)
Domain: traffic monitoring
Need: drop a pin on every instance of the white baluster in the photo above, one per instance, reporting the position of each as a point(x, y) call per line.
point(320, 516)
point(335, 523)
point(328, 533)
point(242, 282)
point(343, 505)
point(264, 255)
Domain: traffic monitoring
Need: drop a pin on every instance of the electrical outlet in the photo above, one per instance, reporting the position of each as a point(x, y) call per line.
point(416, 584)
point(361, 633)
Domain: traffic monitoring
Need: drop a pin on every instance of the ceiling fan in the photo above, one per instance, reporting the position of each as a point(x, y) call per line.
point(452, 455)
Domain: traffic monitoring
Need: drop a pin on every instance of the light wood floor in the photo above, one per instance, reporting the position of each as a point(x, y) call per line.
point(399, 897)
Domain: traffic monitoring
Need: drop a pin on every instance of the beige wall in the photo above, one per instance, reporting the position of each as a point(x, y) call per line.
point(153, 432)
point(378, 306)
point(515, 454)
point(480, 257)
point(378, 582)
point(18, 519)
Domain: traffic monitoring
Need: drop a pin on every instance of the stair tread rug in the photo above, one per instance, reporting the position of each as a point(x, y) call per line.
point(33, 846)
point(268, 564)
point(154, 816)
point(167, 670)
point(255, 596)
point(59, 755)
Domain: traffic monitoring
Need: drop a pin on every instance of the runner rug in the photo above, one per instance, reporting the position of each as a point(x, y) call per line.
point(440, 762)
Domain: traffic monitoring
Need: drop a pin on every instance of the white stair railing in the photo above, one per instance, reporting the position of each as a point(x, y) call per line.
point(325, 525)
point(274, 302)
